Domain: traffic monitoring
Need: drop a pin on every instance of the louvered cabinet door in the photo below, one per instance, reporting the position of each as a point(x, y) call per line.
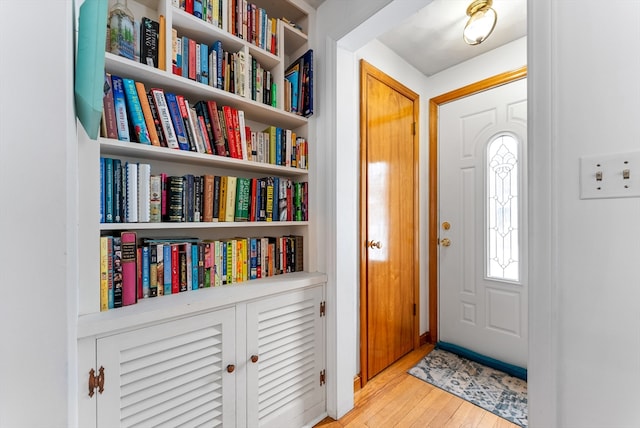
point(172, 374)
point(286, 334)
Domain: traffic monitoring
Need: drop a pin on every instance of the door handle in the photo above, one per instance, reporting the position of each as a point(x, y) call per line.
point(374, 244)
point(445, 242)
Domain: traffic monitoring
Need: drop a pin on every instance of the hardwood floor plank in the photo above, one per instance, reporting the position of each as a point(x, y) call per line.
point(394, 398)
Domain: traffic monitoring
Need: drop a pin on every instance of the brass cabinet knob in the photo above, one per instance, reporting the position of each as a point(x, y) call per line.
point(230, 368)
point(445, 242)
point(446, 225)
point(254, 358)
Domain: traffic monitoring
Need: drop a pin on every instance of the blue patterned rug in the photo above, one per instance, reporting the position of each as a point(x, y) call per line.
point(493, 390)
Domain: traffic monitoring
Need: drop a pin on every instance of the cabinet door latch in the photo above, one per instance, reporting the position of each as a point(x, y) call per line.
point(96, 381)
point(323, 377)
point(323, 309)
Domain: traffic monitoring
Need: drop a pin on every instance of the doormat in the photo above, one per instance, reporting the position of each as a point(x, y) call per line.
point(491, 389)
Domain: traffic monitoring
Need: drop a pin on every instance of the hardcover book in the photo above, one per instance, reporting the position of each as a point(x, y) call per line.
point(242, 199)
point(230, 202)
point(148, 115)
point(149, 33)
point(131, 204)
point(129, 268)
point(155, 201)
point(117, 272)
point(175, 208)
point(144, 193)
point(109, 109)
point(104, 272)
point(120, 107)
point(134, 109)
point(176, 120)
point(156, 121)
point(165, 118)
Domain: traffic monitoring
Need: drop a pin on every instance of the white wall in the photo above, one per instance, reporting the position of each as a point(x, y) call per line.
point(37, 308)
point(587, 96)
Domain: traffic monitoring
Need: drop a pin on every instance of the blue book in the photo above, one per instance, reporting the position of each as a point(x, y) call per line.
point(145, 271)
point(194, 267)
point(118, 215)
point(102, 190)
point(166, 256)
point(204, 63)
point(224, 262)
point(279, 146)
point(176, 120)
point(217, 46)
point(134, 109)
point(307, 84)
point(120, 106)
point(197, 8)
point(276, 203)
point(185, 57)
point(108, 187)
point(293, 77)
point(253, 258)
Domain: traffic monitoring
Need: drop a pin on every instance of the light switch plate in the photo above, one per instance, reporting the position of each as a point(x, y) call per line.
point(610, 168)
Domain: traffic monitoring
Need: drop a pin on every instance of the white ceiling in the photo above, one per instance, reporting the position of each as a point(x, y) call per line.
point(431, 40)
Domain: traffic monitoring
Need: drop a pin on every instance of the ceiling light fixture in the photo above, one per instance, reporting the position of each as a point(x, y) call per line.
point(482, 21)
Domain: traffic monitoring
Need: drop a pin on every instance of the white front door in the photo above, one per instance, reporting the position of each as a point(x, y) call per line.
point(482, 223)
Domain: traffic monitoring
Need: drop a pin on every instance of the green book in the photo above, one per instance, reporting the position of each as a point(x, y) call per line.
point(243, 186)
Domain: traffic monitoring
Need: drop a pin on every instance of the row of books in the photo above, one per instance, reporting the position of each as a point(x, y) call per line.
point(298, 85)
point(132, 269)
point(141, 40)
point(234, 72)
point(161, 118)
point(238, 17)
point(130, 193)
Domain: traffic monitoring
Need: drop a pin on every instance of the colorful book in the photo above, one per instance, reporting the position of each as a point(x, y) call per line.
point(175, 203)
point(207, 198)
point(165, 118)
point(176, 120)
point(156, 121)
point(144, 192)
point(188, 126)
point(120, 108)
point(149, 41)
point(155, 199)
point(148, 115)
point(131, 204)
point(168, 269)
point(104, 272)
point(129, 268)
point(153, 270)
point(230, 201)
point(218, 138)
point(118, 216)
point(117, 272)
point(242, 199)
point(109, 109)
point(146, 263)
point(134, 109)
point(108, 190)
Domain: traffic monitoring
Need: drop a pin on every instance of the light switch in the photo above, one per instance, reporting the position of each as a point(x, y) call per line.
point(610, 176)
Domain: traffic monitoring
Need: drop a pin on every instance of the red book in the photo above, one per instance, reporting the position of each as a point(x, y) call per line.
point(129, 268)
point(175, 269)
point(231, 134)
point(236, 130)
point(218, 143)
point(140, 296)
point(188, 6)
point(205, 135)
point(252, 201)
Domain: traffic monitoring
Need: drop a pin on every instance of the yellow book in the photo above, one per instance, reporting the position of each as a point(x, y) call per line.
point(104, 273)
point(230, 204)
point(162, 47)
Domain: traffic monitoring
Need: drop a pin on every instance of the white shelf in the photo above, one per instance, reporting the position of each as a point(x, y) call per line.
point(201, 225)
point(164, 308)
point(154, 153)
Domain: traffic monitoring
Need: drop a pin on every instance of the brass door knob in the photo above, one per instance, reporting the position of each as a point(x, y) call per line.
point(374, 244)
point(445, 242)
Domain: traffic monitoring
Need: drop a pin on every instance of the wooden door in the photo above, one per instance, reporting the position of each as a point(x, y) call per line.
point(389, 221)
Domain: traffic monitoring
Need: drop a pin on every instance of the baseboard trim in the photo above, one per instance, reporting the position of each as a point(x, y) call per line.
point(357, 383)
point(425, 338)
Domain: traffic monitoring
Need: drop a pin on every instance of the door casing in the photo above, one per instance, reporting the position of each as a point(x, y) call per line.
point(434, 104)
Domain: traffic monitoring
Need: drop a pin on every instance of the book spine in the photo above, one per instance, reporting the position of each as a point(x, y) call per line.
point(193, 52)
point(175, 269)
point(188, 126)
point(153, 270)
point(176, 120)
point(183, 270)
point(168, 269)
point(231, 133)
point(134, 109)
point(148, 115)
point(243, 135)
point(218, 137)
point(146, 262)
point(165, 118)
point(197, 198)
point(204, 63)
point(216, 198)
point(203, 115)
point(162, 40)
point(208, 199)
point(117, 272)
point(120, 108)
point(131, 208)
point(118, 214)
point(230, 203)
point(104, 272)
point(108, 188)
point(195, 126)
point(242, 199)
point(160, 268)
point(109, 108)
point(129, 268)
point(188, 205)
point(194, 266)
point(175, 205)
point(156, 121)
point(144, 192)
point(103, 190)
point(201, 256)
point(155, 199)
point(149, 33)
point(222, 201)
point(253, 257)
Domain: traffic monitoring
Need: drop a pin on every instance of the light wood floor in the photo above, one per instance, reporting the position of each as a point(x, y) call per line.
point(394, 398)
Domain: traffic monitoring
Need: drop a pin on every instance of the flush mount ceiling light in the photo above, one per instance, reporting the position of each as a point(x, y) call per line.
point(482, 21)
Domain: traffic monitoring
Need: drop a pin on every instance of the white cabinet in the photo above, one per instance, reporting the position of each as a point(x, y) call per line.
point(285, 354)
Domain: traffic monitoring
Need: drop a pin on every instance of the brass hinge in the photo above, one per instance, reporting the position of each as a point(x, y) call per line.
point(413, 128)
point(323, 377)
point(96, 381)
point(323, 309)
point(414, 309)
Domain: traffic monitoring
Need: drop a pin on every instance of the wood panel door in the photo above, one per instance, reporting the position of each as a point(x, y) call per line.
point(389, 221)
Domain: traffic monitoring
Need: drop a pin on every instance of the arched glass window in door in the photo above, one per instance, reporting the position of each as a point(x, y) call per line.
point(503, 253)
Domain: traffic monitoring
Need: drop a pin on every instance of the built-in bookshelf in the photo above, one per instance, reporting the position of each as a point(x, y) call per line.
point(288, 23)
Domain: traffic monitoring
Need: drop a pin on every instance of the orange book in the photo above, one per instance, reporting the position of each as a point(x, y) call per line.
point(162, 47)
point(146, 112)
